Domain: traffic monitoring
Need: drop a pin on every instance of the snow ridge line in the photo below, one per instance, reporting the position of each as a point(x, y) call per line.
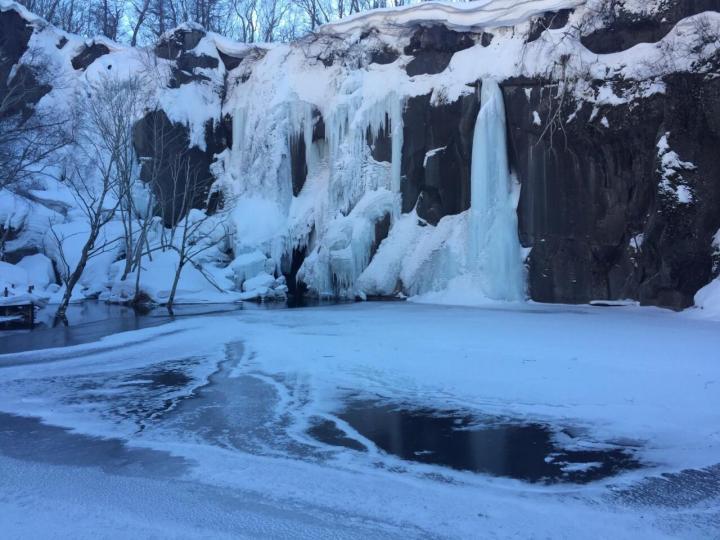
point(473, 15)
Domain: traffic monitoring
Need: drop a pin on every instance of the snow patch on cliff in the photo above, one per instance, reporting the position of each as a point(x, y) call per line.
point(671, 166)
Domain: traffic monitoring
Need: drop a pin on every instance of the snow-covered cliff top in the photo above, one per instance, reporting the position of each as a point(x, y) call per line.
point(457, 16)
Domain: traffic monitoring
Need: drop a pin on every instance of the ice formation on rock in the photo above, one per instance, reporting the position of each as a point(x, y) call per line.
point(334, 159)
point(495, 253)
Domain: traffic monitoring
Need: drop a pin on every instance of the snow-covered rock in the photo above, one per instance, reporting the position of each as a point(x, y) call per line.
point(262, 281)
point(39, 269)
point(13, 277)
point(708, 299)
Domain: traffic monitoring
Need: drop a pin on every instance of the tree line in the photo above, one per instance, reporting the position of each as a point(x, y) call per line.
point(139, 22)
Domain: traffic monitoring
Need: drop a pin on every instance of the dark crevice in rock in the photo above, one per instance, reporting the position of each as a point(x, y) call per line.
point(382, 229)
point(22, 93)
point(380, 143)
point(624, 35)
point(298, 163)
point(318, 133)
point(383, 56)
point(184, 71)
point(216, 201)
point(428, 63)
point(215, 137)
point(189, 62)
point(15, 35)
point(230, 62)
point(298, 152)
point(180, 77)
point(296, 287)
point(226, 124)
point(549, 21)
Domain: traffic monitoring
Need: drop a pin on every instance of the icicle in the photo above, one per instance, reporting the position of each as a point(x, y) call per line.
point(238, 130)
point(396, 122)
point(346, 129)
point(495, 253)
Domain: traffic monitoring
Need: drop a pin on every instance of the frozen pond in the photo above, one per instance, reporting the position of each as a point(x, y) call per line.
point(369, 420)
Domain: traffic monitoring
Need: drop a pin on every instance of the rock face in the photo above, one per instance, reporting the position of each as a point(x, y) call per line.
point(594, 208)
point(171, 164)
point(432, 48)
point(88, 55)
point(586, 190)
point(182, 40)
point(437, 146)
point(623, 29)
point(21, 89)
point(15, 34)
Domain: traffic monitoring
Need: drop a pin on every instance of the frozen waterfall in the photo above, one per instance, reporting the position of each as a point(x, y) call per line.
point(495, 258)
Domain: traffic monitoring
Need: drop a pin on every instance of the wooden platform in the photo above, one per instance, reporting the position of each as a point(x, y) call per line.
point(12, 315)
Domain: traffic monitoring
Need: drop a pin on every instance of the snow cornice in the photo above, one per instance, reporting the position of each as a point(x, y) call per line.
point(465, 17)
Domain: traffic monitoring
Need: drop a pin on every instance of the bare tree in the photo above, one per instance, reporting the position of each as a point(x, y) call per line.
point(161, 143)
point(271, 18)
point(86, 17)
point(97, 180)
point(246, 13)
point(245, 20)
point(141, 10)
point(132, 99)
point(192, 230)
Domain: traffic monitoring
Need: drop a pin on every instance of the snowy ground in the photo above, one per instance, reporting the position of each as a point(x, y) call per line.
point(197, 428)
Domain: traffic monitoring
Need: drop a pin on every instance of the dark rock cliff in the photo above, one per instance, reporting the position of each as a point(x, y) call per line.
point(623, 29)
point(19, 90)
point(593, 207)
point(437, 147)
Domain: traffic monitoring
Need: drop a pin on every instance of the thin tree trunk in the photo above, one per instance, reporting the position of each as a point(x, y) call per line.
point(136, 298)
point(176, 280)
point(74, 278)
point(138, 262)
point(139, 23)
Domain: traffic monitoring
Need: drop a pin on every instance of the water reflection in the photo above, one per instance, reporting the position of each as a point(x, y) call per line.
point(515, 450)
point(91, 320)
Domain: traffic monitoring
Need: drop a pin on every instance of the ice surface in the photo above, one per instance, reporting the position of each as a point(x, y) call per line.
point(605, 376)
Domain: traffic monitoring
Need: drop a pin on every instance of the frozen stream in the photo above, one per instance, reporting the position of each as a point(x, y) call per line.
point(370, 420)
